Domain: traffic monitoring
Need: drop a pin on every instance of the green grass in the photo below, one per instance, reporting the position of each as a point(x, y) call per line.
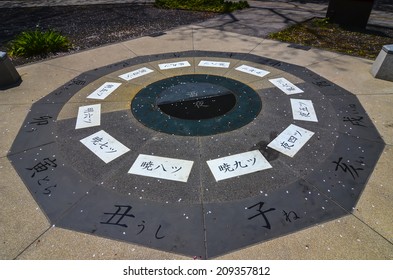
point(34, 43)
point(320, 33)
point(219, 6)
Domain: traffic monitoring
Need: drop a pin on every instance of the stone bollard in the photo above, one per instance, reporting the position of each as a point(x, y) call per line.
point(353, 13)
point(9, 77)
point(383, 65)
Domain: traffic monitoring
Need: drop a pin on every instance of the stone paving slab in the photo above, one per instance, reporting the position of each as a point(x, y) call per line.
point(364, 234)
point(376, 199)
point(11, 116)
point(340, 71)
point(63, 244)
point(379, 108)
point(38, 80)
point(291, 54)
point(343, 239)
point(98, 57)
point(252, 21)
point(161, 43)
point(21, 218)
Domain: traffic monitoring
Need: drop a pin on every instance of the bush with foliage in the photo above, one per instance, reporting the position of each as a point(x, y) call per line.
point(33, 43)
point(220, 6)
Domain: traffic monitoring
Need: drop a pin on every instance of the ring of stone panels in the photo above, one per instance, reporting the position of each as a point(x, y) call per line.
point(303, 159)
point(107, 148)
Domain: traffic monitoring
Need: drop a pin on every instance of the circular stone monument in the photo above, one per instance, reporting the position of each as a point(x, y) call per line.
point(196, 153)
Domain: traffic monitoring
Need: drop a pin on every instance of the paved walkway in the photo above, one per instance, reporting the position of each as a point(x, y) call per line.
point(367, 233)
point(262, 18)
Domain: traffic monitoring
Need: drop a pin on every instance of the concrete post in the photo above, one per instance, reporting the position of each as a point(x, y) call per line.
point(9, 77)
point(383, 65)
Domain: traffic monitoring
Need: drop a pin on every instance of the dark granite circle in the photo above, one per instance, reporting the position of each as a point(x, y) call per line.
point(196, 105)
point(196, 101)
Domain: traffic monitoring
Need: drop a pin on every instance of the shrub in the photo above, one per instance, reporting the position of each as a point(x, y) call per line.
point(33, 43)
point(202, 5)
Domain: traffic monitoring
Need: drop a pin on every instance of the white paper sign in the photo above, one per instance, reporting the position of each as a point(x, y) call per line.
point(162, 168)
point(136, 74)
point(252, 70)
point(103, 91)
point(286, 86)
point(303, 110)
point(172, 65)
point(216, 64)
point(104, 146)
point(88, 116)
point(238, 165)
point(291, 140)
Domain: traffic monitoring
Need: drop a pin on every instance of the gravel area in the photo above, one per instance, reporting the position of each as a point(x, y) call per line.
point(89, 26)
point(93, 25)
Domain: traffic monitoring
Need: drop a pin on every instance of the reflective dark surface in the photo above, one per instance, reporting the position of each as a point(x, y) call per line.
point(196, 105)
point(196, 101)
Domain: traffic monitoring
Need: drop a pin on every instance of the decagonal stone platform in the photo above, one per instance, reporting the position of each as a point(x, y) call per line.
point(120, 177)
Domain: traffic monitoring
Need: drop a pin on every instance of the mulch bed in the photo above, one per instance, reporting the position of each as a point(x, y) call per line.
point(93, 25)
point(318, 33)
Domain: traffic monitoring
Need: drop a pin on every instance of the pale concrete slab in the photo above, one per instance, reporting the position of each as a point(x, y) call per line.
point(62, 244)
point(206, 39)
point(365, 236)
point(21, 219)
point(264, 17)
point(94, 58)
point(283, 51)
point(37, 81)
point(353, 74)
point(345, 239)
point(11, 119)
point(176, 40)
point(375, 205)
point(379, 108)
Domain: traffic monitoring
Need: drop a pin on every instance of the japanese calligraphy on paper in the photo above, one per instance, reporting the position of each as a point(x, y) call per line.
point(238, 165)
point(303, 110)
point(162, 167)
point(291, 140)
point(216, 64)
point(104, 91)
point(88, 116)
point(252, 70)
point(285, 86)
point(104, 146)
point(173, 65)
point(136, 74)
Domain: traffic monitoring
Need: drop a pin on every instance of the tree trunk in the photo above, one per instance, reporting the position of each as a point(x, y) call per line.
point(350, 13)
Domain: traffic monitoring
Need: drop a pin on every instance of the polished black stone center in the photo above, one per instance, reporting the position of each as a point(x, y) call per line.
point(196, 105)
point(196, 101)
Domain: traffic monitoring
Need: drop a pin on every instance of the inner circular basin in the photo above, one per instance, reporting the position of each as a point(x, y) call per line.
point(196, 105)
point(196, 101)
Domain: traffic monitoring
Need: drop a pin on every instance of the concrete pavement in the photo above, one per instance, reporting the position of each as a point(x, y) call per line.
point(367, 233)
